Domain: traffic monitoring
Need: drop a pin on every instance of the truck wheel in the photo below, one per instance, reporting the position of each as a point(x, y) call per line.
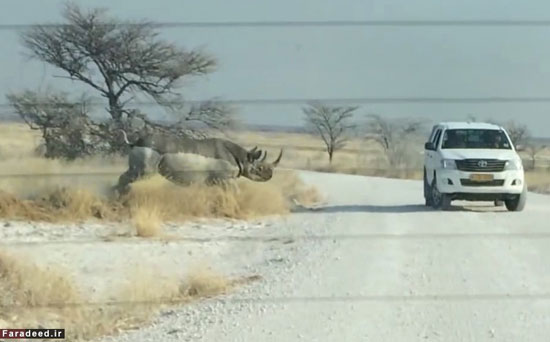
point(427, 191)
point(439, 200)
point(518, 203)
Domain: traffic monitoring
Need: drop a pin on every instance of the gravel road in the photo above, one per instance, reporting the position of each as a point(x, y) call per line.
point(375, 265)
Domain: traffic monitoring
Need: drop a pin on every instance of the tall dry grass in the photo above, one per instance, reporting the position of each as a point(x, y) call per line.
point(147, 220)
point(80, 190)
point(155, 200)
point(34, 296)
point(538, 181)
point(59, 205)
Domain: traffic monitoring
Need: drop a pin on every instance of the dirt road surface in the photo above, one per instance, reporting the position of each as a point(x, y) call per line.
point(374, 264)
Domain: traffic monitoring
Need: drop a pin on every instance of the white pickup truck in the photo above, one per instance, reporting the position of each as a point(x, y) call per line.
point(472, 161)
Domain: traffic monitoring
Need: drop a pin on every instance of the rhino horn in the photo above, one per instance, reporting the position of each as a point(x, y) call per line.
point(276, 162)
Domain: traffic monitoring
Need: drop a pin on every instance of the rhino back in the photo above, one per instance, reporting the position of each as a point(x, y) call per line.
point(211, 147)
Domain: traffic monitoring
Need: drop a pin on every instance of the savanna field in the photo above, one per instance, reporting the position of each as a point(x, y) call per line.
point(68, 202)
point(58, 196)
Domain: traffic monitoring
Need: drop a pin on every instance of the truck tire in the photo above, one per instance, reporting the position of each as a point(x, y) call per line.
point(427, 191)
point(518, 203)
point(439, 200)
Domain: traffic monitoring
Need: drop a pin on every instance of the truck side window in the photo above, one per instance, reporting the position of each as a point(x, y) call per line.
point(432, 134)
point(437, 138)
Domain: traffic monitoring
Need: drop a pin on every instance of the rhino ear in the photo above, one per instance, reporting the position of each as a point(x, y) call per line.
point(254, 155)
point(263, 158)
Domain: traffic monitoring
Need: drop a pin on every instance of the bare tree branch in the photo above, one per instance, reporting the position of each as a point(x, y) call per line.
point(391, 135)
point(533, 150)
point(519, 133)
point(65, 126)
point(331, 124)
point(116, 57)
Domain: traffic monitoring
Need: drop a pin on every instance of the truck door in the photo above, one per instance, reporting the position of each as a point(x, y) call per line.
point(432, 159)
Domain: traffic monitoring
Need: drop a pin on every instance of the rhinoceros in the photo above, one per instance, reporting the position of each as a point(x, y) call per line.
point(184, 160)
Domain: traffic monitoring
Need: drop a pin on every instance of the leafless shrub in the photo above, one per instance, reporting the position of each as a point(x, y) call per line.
point(331, 124)
point(65, 126)
point(394, 138)
point(518, 132)
point(533, 150)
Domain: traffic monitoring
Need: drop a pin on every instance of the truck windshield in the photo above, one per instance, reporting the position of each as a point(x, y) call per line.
point(475, 139)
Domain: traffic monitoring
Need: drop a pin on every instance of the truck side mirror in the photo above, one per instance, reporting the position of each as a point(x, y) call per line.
point(429, 146)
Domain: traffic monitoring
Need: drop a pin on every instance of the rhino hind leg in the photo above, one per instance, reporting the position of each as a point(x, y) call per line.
point(126, 179)
point(130, 176)
point(142, 163)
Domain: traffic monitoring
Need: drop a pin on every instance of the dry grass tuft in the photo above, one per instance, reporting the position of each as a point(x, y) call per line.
point(182, 202)
point(247, 200)
point(25, 285)
point(13, 207)
point(76, 204)
point(204, 282)
point(143, 296)
point(538, 181)
point(155, 200)
point(33, 296)
point(147, 220)
point(60, 205)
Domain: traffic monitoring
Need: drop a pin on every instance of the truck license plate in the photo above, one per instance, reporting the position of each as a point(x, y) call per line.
point(477, 177)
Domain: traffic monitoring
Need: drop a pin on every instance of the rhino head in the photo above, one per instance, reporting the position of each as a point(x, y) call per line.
point(256, 168)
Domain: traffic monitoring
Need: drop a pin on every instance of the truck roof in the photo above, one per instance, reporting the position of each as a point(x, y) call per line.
point(467, 125)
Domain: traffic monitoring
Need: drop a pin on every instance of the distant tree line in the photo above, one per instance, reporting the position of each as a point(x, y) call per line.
point(336, 124)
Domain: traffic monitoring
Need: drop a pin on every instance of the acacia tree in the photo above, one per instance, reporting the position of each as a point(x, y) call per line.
point(331, 123)
point(120, 59)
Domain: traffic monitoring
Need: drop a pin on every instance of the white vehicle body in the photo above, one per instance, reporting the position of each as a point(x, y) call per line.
point(473, 162)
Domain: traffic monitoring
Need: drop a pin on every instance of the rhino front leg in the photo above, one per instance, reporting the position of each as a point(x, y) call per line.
point(227, 185)
point(235, 187)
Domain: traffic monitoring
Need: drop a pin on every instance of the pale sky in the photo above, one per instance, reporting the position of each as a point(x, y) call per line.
point(334, 62)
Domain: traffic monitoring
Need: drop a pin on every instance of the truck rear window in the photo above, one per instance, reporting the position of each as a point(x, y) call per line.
point(475, 139)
